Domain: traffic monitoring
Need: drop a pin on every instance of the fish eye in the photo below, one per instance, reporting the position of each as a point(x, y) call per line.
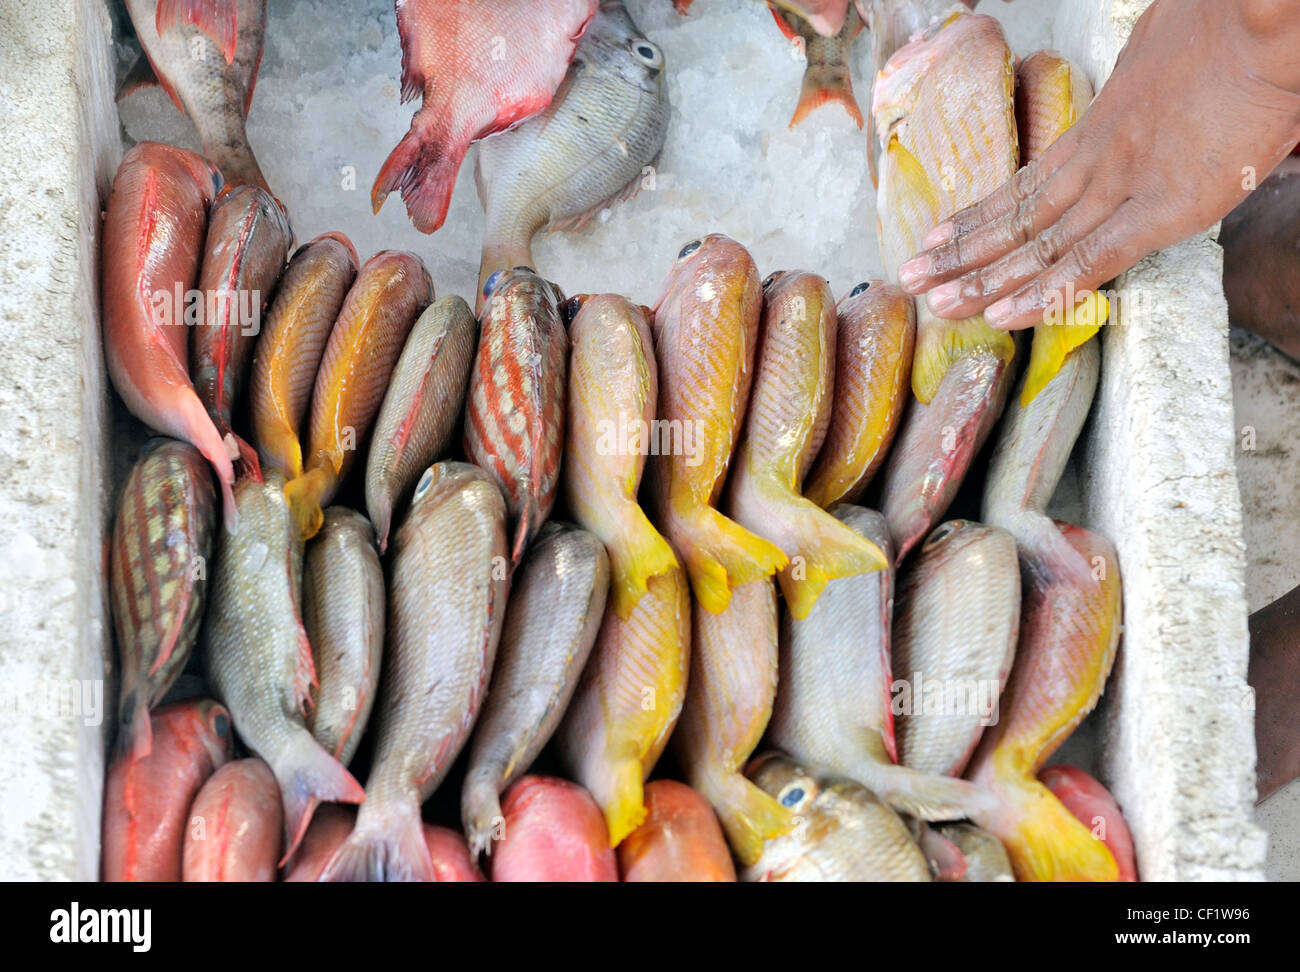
point(861, 288)
point(526, 269)
point(569, 310)
point(771, 279)
point(942, 532)
point(423, 485)
point(221, 725)
point(690, 248)
point(647, 53)
point(490, 284)
point(792, 795)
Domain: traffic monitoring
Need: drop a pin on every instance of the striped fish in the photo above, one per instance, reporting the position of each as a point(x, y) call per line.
point(162, 542)
point(514, 425)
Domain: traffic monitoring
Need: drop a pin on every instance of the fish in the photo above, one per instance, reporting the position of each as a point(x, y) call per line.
point(288, 352)
point(825, 17)
point(1052, 94)
point(147, 799)
point(1096, 809)
point(983, 855)
point(680, 840)
point(448, 856)
point(247, 242)
point(842, 832)
point(234, 825)
point(956, 620)
point(728, 704)
point(1070, 625)
point(789, 414)
point(612, 396)
point(343, 616)
point(205, 55)
point(936, 445)
point(705, 331)
point(587, 151)
point(945, 129)
point(514, 412)
point(420, 408)
point(557, 600)
point(473, 81)
point(162, 542)
point(827, 77)
point(447, 596)
point(874, 339)
point(628, 701)
point(835, 698)
point(363, 347)
point(259, 660)
point(1033, 446)
point(552, 831)
point(152, 236)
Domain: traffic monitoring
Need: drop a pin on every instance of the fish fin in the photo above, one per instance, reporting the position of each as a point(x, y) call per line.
point(219, 19)
point(393, 849)
point(921, 795)
point(423, 168)
point(624, 804)
point(722, 555)
point(790, 33)
point(135, 731)
point(1044, 840)
point(380, 507)
point(408, 33)
point(304, 673)
point(578, 220)
point(303, 495)
point(941, 343)
point(749, 817)
point(1052, 342)
point(827, 549)
point(247, 464)
point(531, 519)
point(308, 776)
point(193, 419)
point(641, 554)
point(682, 6)
point(140, 76)
point(481, 812)
point(826, 87)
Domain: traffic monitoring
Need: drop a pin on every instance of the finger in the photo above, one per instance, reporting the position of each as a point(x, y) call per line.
point(981, 245)
point(970, 293)
point(1100, 256)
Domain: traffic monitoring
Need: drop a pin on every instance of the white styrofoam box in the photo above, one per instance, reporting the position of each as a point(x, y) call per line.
point(1175, 735)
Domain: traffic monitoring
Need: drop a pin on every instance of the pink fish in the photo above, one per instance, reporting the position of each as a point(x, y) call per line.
point(1096, 809)
point(552, 831)
point(480, 68)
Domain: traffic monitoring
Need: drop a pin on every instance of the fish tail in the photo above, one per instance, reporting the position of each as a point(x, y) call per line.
point(247, 464)
point(1044, 840)
point(219, 19)
point(480, 811)
point(195, 425)
point(1053, 342)
point(641, 554)
point(309, 775)
point(622, 798)
point(749, 817)
point(826, 86)
point(280, 449)
point(423, 168)
point(940, 344)
point(826, 549)
point(134, 732)
point(379, 504)
point(924, 796)
point(304, 497)
point(721, 555)
point(387, 845)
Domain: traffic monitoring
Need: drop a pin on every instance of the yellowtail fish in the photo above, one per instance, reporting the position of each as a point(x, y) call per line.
point(613, 389)
point(827, 78)
point(874, 339)
point(835, 697)
point(705, 335)
point(728, 705)
point(842, 831)
point(956, 618)
point(789, 413)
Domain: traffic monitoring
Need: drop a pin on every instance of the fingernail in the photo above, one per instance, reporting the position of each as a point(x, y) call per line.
point(913, 271)
point(944, 298)
point(998, 314)
point(940, 234)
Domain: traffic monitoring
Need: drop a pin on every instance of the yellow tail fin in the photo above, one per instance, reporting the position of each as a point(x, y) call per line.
point(827, 550)
point(303, 495)
point(1044, 840)
point(625, 805)
point(1052, 342)
point(642, 554)
point(721, 555)
point(749, 817)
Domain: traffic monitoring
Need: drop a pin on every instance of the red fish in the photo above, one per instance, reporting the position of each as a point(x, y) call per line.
point(247, 243)
point(680, 839)
point(153, 239)
point(234, 825)
point(553, 831)
point(448, 852)
point(449, 855)
point(1096, 809)
point(147, 800)
point(479, 68)
point(514, 422)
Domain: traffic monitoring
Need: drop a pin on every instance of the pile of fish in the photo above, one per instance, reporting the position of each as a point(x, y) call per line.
point(499, 559)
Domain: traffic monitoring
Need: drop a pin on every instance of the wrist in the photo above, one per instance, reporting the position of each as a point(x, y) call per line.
point(1272, 29)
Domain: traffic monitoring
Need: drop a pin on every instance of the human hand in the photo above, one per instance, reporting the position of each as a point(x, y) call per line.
point(1203, 103)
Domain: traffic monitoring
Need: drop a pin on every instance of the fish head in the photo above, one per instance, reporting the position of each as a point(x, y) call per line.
point(796, 295)
point(713, 272)
point(401, 263)
point(440, 481)
point(615, 43)
point(170, 160)
point(342, 240)
point(519, 286)
point(203, 723)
